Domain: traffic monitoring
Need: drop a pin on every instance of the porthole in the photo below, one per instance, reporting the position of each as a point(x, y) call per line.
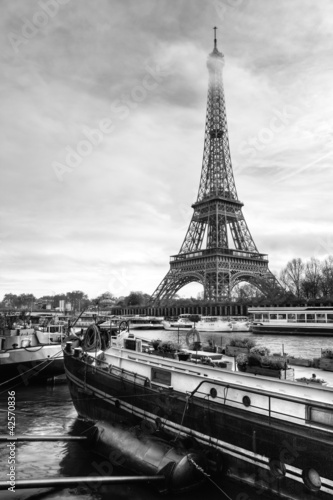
point(277, 468)
point(312, 479)
point(213, 392)
point(246, 401)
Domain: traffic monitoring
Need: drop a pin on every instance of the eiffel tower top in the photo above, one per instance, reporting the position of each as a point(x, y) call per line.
point(216, 54)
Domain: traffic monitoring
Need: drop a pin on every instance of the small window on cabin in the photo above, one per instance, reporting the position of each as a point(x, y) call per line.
point(161, 376)
point(265, 317)
point(281, 316)
point(321, 318)
point(291, 318)
point(330, 318)
point(273, 316)
point(301, 318)
point(321, 416)
point(311, 318)
point(258, 317)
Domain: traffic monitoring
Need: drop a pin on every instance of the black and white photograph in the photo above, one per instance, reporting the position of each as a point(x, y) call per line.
point(166, 250)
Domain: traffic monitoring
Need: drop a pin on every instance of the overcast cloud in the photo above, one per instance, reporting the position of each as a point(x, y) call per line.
point(129, 78)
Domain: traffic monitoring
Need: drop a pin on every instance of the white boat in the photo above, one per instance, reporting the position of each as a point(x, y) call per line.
point(292, 320)
point(213, 324)
point(30, 354)
point(144, 322)
point(205, 324)
point(181, 324)
point(51, 334)
point(240, 324)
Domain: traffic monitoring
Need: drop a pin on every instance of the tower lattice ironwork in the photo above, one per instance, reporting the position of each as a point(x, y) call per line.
point(205, 255)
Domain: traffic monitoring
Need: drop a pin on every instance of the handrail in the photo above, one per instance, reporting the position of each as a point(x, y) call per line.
point(270, 396)
point(263, 392)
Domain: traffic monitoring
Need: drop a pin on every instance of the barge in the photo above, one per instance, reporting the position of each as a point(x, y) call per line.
point(292, 320)
point(29, 354)
point(274, 435)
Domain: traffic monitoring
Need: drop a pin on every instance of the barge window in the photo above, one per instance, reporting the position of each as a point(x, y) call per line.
point(273, 316)
point(330, 318)
point(311, 318)
point(281, 316)
point(160, 376)
point(258, 316)
point(265, 317)
point(321, 318)
point(291, 318)
point(320, 416)
point(301, 318)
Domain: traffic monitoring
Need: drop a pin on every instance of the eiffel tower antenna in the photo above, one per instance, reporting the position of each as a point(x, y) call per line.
point(215, 41)
point(206, 255)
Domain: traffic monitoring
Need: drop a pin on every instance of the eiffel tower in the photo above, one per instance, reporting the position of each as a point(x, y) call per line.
point(217, 216)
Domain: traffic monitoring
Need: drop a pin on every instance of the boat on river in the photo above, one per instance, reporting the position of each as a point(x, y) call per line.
point(240, 324)
point(144, 322)
point(292, 320)
point(205, 324)
point(29, 354)
point(185, 421)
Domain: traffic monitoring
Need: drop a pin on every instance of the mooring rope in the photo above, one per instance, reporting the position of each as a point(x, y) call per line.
point(200, 469)
point(34, 368)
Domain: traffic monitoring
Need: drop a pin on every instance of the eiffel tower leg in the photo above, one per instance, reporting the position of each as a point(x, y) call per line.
point(172, 282)
point(263, 279)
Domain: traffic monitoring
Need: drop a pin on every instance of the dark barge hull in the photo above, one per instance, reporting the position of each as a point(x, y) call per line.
point(31, 372)
point(292, 330)
point(247, 447)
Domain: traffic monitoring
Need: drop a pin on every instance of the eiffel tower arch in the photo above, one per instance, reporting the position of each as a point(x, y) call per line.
point(206, 256)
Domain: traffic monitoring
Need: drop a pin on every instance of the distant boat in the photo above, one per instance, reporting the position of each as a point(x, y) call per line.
point(205, 324)
point(181, 324)
point(144, 322)
point(240, 324)
point(292, 320)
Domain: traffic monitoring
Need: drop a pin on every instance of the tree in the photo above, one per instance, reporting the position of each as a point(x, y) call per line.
point(10, 300)
point(79, 300)
point(106, 299)
point(311, 284)
point(292, 276)
point(137, 299)
point(326, 284)
point(26, 300)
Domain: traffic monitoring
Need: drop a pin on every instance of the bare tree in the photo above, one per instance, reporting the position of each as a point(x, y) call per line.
point(292, 276)
point(312, 280)
point(326, 284)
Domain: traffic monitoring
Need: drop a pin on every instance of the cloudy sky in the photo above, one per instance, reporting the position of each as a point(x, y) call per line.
point(103, 114)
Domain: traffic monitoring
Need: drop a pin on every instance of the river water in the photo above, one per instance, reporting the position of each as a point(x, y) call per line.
point(48, 410)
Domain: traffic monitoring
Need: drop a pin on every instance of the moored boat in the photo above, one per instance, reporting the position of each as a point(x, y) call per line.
point(182, 324)
point(240, 324)
point(144, 322)
point(272, 434)
point(292, 320)
point(205, 324)
point(30, 354)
